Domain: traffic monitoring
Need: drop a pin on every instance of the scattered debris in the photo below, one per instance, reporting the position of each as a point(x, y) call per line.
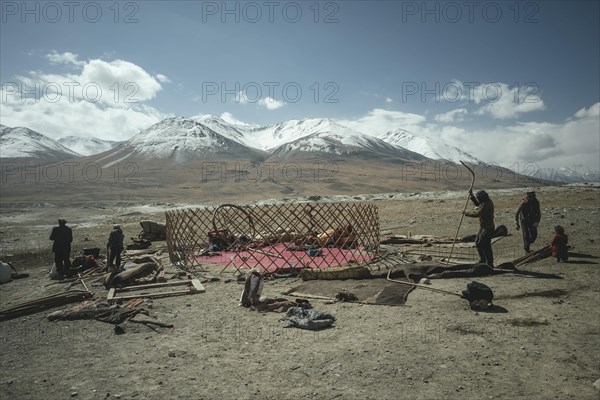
point(345, 296)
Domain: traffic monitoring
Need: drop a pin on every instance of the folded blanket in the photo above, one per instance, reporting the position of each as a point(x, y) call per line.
point(307, 319)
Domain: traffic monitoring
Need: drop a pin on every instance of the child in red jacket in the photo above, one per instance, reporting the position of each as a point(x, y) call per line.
point(559, 244)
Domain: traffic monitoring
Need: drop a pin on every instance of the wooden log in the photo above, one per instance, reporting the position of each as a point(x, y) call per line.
point(534, 256)
point(195, 286)
point(422, 286)
point(309, 296)
point(155, 295)
point(154, 285)
point(44, 303)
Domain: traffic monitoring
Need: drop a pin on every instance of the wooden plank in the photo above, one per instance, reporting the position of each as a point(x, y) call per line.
point(199, 288)
point(198, 285)
point(154, 285)
point(308, 296)
point(153, 295)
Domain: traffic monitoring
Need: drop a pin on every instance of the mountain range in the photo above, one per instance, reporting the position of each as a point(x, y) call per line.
point(182, 140)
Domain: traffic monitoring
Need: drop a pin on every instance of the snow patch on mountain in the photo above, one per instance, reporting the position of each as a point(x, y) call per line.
point(273, 136)
point(340, 140)
point(572, 174)
point(87, 146)
point(435, 149)
point(23, 142)
point(222, 127)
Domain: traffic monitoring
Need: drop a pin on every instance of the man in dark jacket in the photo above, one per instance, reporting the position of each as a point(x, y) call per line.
point(115, 245)
point(485, 213)
point(62, 236)
point(527, 219)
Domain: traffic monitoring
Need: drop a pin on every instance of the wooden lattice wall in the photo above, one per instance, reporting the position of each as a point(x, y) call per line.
point(258, 230)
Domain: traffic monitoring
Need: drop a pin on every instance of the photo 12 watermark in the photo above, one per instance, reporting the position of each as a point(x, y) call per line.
point(453, 12)
point(69, 172)
point(70, 91)
point(469, 92)
point(53, 12)
point(269, 93)
point(426, 331)
point(284, 173)
point(261, 332)
point(450, 172)
point(252, 12)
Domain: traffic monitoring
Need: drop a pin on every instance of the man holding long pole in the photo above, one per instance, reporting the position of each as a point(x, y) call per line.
point(485, 212)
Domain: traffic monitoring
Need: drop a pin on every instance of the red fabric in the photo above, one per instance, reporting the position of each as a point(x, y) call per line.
point(332, 257)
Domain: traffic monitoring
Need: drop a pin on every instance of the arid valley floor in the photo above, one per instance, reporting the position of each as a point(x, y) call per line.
point(545, 346)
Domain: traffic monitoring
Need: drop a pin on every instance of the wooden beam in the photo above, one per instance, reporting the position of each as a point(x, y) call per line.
point(154, 295)
point(194, 286)
point(418, 285)
point(198, 285)
point(153, 285)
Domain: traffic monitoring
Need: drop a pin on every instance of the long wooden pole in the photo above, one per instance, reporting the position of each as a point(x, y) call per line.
point(462, 215)
point(421, 286)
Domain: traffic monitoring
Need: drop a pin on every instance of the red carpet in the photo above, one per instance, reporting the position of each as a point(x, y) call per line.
point(280, 258)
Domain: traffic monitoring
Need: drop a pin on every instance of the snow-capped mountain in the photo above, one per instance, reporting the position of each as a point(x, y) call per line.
point(573, 174)
point(427, 147)
point(87, 146)
point(273, 136)
point(23, 142)
point(339, 140)
point(222, 127)
point(181, 140)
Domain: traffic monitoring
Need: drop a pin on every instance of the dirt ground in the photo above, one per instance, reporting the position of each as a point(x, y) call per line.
point(545, 346)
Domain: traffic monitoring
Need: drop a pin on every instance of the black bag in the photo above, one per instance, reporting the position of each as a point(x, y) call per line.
point(500, 230)
point(477, 291)
point(92, 252)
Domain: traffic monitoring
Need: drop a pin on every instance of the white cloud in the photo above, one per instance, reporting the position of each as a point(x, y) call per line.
point(64, 58)
point(591, 112)
point(117, 83)
point(541, 143)
point(80, 118)
point(574, 141)
point(104, 99)
point(270, 104)
point(133, 83)
point(266, 102)
point(229, 118)
point(502, 101)
point(388, 100)
point(452, 116)
point(379, 121)
point(163, 78)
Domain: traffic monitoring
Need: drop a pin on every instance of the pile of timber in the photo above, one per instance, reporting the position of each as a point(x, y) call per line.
point(45, 303)
point(537, 255)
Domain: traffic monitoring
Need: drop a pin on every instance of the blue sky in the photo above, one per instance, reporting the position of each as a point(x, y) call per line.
point(508, 81)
